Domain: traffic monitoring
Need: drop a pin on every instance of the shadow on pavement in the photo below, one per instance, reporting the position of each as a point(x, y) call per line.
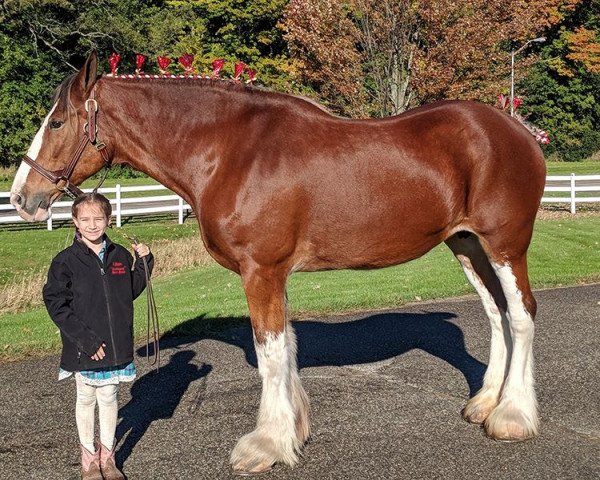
point(371, 339)
point(365, 340)
point(155, 396)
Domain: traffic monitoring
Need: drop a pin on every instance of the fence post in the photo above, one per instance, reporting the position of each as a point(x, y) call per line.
point(118, 199)
point(573, 207)
point(49, 223)
point(180, 210)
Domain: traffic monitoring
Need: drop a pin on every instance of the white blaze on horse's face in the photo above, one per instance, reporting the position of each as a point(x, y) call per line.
point(24, 169)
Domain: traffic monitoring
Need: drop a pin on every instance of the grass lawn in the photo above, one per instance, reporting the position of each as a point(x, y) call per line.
point(587, 167)
point(35, 248)
point(563, 252)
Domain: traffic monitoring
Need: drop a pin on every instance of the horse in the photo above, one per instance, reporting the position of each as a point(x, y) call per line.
point(280, 185)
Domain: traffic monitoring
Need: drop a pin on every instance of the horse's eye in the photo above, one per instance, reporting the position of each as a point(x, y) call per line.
point(54, 124)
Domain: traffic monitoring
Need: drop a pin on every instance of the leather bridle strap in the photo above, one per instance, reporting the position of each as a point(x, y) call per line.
point(61, 178)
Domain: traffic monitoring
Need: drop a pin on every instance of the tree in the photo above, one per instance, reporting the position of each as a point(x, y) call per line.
point(405, 53)
point(42, 41)
point(563, 88)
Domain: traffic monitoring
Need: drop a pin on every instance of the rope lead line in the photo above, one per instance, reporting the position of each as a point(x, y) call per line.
point(152, 317)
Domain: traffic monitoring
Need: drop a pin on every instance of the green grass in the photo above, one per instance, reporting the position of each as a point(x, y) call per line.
point(587, 167)
point(563, 252)
point(25, 251)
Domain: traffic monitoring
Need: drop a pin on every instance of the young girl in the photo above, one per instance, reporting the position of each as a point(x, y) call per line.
point(89, 295)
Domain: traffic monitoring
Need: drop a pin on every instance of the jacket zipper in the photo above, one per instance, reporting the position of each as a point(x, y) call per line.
point(110, 329)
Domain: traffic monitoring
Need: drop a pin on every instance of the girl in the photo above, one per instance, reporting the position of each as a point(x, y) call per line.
point(89, 295)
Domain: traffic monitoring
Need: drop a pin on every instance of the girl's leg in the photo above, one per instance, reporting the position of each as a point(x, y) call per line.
point(108, 409)
point(84, 413)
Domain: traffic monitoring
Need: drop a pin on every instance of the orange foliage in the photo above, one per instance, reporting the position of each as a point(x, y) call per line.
point(407, 52)
point(584, 48)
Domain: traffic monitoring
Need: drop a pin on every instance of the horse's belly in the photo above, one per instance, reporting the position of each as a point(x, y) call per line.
point(372, 245)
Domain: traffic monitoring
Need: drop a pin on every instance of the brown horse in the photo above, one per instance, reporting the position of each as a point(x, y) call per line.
point(279, 186)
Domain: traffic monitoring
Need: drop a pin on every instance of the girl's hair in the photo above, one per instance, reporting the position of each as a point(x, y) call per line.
point(92, 198)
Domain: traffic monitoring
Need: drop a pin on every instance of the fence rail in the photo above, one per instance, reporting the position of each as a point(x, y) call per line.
point(577, 187)
point(122, 206)
point(572, 184)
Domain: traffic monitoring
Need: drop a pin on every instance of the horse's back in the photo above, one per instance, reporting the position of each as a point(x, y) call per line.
point(339, 193)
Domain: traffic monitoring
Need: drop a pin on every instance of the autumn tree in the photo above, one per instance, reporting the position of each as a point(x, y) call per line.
point(562, 90)
point(404, 53)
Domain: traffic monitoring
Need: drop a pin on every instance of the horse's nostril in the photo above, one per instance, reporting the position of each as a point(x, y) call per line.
point(16, 200)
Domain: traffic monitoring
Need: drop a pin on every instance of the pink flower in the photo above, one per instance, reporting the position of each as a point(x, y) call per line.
point(139, 63)
point(503, 102)
point(217, 66)
point(542, 137)
point(186, 61)
point(251, 75)
point(517, 102)
point(238, 70)
point(163, 64)
point(113, 61)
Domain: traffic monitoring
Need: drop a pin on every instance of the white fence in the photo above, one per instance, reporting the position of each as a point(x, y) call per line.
point(578, 189)
point(122, 206)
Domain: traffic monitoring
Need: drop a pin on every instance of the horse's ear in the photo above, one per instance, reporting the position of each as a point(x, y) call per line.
point(86, 78)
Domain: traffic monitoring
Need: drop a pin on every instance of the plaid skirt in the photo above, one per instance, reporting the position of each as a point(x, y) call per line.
point(103, 376)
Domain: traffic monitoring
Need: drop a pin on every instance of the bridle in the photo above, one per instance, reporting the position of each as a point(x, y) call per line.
point(61, 178)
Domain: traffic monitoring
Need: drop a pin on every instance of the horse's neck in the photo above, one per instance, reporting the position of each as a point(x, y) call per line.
point(168, 131)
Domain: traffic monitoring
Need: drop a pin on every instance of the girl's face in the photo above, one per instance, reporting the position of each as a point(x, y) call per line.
point(91, 223)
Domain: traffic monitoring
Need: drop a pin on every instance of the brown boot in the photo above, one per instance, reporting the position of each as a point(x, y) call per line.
point(90, 464)
point(107, 464)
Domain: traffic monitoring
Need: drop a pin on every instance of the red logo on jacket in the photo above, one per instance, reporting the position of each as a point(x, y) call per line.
point(117, 268)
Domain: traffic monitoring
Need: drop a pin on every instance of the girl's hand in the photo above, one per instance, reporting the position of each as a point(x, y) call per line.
point(99, 355)
point(141, 249)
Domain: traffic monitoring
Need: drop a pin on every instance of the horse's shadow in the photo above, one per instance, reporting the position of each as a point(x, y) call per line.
point(366, 340)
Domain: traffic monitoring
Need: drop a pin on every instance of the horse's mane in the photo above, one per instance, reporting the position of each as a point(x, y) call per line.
point(217, 83)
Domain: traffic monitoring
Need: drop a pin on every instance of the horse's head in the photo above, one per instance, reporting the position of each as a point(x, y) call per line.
point(59, 157)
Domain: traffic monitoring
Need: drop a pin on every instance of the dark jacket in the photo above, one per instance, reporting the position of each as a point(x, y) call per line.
point(91, 302)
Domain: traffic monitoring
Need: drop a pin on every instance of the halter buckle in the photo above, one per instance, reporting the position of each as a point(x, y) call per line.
point(93, 102)
point(64, 185)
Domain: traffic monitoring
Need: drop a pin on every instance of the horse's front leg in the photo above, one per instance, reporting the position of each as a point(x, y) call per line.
point(282, 425)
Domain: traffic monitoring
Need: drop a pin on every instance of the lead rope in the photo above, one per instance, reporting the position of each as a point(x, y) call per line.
point(152, 317)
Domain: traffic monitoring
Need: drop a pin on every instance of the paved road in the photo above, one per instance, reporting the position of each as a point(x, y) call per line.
point(386, 391)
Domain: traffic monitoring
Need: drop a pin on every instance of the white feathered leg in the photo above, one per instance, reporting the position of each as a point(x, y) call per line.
point(516, 418)
point(481, 405)
point(282, 425)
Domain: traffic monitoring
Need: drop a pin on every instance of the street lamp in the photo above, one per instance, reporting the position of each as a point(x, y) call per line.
point(512, 70)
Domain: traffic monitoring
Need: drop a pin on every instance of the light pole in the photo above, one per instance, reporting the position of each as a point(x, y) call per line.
point(512, 70)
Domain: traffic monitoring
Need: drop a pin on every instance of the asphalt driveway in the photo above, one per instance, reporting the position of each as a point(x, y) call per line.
point(386, 390)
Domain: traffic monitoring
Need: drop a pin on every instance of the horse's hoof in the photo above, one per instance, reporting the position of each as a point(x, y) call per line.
point(509, 424)
point(258, 470)
point(478, 409)
point(258, 451)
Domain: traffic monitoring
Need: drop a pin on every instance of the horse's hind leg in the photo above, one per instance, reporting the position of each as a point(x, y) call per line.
point(282, 425)
point(516, 418)
point(481, 275)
